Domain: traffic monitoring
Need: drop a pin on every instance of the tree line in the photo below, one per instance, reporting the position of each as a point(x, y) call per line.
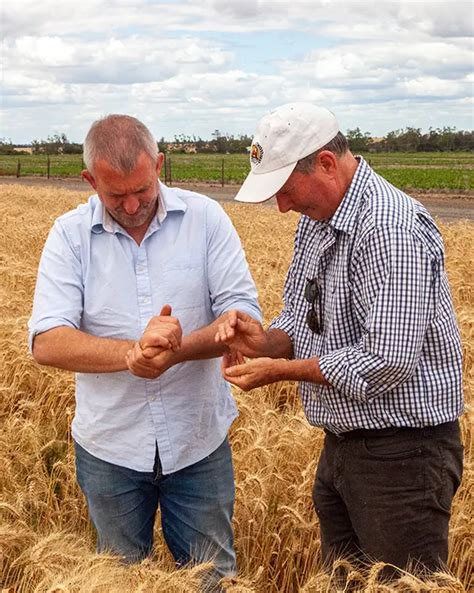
point(403, 140)
point(412, 140)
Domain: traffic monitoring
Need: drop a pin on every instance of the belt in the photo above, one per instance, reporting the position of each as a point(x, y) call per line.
point(427, 431)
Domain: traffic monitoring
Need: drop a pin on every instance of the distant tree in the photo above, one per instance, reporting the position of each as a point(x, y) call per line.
point(56, 144)
point(437, 139)
point(404, 140)
point(6, 146)
point(72, 148)
point(446, 138)
point(358, 141)
point(410, 140)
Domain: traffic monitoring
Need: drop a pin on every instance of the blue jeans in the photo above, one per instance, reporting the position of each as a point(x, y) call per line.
point(196, 509)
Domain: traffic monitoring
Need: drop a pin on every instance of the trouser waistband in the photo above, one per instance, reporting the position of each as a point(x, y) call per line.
point(437, 430)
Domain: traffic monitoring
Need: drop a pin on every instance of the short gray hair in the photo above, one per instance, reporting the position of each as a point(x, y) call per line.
point(119, 140)
point(338, 145)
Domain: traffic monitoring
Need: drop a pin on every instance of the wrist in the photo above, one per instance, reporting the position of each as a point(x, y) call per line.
point(280, 369)
point(178, 356)
point(121, 351)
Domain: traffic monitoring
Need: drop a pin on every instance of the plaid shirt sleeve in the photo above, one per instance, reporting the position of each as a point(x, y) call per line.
point(395, 282)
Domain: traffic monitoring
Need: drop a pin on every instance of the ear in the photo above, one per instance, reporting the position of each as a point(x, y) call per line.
point(327, 161)
point(159, 163)
point(88, 177)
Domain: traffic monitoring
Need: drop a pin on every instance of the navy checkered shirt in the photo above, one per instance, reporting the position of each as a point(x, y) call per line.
point(389, 344)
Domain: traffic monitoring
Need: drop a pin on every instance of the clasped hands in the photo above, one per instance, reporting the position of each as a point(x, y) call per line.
point(245, 337)
point(242, 336)
point(156, 350)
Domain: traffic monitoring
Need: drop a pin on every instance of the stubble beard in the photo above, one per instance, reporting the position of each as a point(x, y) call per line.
point(132, 221)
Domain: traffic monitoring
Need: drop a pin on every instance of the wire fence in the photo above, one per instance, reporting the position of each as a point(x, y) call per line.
point(217, 169)
point(422, 171)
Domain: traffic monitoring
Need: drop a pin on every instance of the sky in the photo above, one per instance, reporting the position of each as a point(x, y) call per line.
point(193, 66)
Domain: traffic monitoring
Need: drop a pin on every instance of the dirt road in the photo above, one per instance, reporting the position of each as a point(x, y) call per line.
point(448, 207)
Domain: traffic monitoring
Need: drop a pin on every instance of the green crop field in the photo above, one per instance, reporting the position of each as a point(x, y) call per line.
point(443, 170)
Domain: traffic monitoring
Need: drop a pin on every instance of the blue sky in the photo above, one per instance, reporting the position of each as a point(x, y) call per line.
point(189, 67)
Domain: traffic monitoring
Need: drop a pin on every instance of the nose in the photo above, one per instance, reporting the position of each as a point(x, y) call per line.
point(131, 204)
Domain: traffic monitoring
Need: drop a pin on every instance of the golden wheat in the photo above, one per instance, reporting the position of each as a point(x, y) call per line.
point(46, 541)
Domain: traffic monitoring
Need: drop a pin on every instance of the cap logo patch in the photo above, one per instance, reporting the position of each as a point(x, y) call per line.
point(256, 153)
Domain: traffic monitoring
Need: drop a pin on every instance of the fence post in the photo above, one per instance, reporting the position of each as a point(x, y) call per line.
point(48, 166)
point(165, 164)
point(170, 179)
point(18, 168)
point(222, 173)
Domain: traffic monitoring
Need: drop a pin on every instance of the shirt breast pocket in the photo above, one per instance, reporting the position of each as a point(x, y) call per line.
point(185, 285)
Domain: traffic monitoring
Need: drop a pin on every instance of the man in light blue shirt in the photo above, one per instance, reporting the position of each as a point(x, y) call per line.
point(131, 288)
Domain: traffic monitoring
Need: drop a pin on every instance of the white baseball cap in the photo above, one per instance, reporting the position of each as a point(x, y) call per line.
point(283, 137)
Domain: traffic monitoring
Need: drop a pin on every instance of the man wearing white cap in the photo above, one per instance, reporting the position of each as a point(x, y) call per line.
point(369, 331)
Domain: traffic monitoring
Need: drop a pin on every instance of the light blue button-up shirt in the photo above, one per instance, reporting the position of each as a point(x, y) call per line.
point(94, 277)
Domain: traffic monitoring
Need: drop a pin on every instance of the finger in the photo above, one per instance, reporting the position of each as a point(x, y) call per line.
point(240, 382)
point(139, 369)
point(244, 325)
point(242, 316)
point(131, 358)
point(166, 310)
point(160, 320)
point(138, 358)
point(229, 331)
point(224, 333)
point(235, 358)
point(151, 352)
point(232, 317)
point(218, 337)
point(153, 339)
point(229, 360)
point(164, 338)
point(237, 370)
point(163, 328)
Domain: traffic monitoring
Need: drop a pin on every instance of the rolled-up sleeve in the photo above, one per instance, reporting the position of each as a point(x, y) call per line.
point(395, 284)
point(230, 283)
point(58, 298)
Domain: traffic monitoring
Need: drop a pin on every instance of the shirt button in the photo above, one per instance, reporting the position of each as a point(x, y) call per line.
point(140, 268)
point(145, 301)
point(152, 398)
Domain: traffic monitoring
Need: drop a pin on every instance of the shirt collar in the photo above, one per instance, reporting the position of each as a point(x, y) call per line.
point(168, 201)
point(345, 217)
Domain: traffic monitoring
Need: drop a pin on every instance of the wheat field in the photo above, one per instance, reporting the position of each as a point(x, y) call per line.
point(46, 541)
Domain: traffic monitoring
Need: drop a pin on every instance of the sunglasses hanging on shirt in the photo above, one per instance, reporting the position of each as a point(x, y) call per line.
point(311, 294)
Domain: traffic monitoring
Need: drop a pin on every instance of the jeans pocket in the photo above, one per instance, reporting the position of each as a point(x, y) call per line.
point(392, 447)
point(446, 474)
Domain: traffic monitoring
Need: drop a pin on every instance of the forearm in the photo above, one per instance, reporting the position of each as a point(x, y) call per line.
point(300, 370)
point(200, 344)
point(278, 344)
point(263, 371)
point(73, 350)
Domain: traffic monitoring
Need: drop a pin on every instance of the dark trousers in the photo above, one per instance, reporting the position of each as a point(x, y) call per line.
point(385, 495)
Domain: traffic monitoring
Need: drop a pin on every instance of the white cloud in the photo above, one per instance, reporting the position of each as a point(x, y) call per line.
point(189, 67)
